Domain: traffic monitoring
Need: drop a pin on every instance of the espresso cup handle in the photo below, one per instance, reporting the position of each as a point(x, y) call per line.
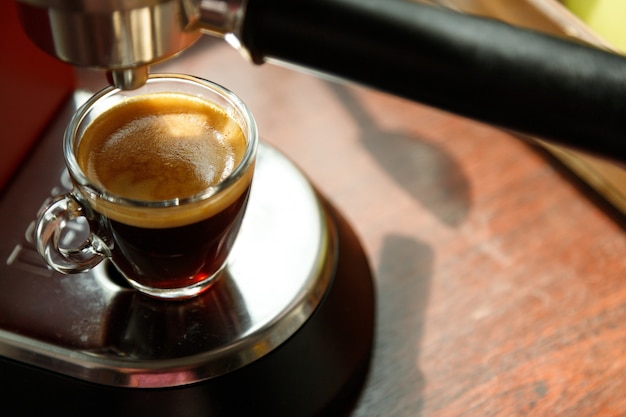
point(52, 221)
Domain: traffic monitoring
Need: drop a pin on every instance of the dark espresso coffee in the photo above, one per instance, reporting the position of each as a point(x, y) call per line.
point(165, 147)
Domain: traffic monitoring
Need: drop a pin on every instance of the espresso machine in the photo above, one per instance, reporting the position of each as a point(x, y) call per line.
point(230, 352)
point(286, 330)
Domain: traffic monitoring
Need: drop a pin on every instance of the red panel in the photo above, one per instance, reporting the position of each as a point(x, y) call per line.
point(33, 85)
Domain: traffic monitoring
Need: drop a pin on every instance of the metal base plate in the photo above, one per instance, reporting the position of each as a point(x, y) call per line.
point(97, 329)
point(287, 331)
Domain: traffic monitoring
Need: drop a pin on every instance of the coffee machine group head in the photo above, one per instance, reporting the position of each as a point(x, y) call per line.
point(123, 37)
point(412, 49)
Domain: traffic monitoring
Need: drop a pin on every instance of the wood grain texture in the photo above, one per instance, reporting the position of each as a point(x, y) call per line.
point(501, 286)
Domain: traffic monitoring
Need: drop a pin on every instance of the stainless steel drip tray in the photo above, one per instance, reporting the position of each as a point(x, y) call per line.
point(93, 327)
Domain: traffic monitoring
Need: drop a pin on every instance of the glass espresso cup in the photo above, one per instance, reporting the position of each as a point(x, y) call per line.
point(161, 177)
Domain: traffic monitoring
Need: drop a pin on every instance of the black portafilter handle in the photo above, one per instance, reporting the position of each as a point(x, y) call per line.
point(531, 83)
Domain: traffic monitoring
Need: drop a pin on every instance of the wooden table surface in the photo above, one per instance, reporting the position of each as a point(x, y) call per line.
point(501, 283)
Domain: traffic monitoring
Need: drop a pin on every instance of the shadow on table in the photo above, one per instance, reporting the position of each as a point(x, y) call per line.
point(395, 382)
point(430, 176)
point(427, 173)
